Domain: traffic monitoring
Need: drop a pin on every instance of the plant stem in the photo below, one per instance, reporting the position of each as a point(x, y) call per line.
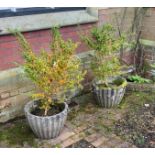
point(46, 110)
point(106, 82)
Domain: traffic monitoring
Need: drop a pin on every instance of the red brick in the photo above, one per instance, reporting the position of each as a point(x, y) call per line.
point(75, 28)
point(103, 11)
point(67, 142)
point(9, 45)
point(103, 18)
point(99, 141)
point(38, 39)
point(32, 34)
point(45, 32)
point(79, 129)
point(7, 38)
point(93, 137)
point(66, 133)
point(68, 29)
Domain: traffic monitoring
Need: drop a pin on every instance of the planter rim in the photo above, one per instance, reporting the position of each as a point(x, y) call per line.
point(27, 108)
point(124, 84)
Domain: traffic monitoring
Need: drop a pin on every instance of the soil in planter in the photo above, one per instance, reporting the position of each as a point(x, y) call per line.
point(112, 84)
point(53, 111)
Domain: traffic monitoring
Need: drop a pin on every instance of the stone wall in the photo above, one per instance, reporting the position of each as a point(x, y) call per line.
point(14, 93)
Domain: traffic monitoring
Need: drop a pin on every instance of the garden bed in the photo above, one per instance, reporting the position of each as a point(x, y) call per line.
point(140, 87)
point(138, 125)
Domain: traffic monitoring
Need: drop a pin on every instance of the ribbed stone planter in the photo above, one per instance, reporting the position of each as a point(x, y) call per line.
point(109, 97)
point(47, 127)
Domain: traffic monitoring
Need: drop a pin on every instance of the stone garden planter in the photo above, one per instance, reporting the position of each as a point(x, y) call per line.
point(47, 127)
point(108, 97)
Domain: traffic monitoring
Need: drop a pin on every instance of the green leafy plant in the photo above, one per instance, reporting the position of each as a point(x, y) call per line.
point(54, 72)
point(105, 62)
point(138, 79)
point(153, 66)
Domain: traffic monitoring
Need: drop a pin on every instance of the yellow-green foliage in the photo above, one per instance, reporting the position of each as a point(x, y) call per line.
point(54, 72)
point(105, 63)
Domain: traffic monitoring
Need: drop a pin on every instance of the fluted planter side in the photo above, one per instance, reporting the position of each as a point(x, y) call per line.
point(47, 127)
point(109, 97)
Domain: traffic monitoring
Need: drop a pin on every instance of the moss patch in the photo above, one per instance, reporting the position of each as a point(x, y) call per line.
point(134, 100)
point(18, 134)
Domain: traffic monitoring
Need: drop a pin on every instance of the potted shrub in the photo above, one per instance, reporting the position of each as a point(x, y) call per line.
point(108, 86)
point(54, 73)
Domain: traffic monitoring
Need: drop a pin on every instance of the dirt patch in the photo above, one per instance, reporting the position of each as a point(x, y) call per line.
point(53, 111)
point(81, 144)
point(138, 126)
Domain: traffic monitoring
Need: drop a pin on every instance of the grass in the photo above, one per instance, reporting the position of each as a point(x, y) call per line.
point(18, 134)
point(134, 100)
